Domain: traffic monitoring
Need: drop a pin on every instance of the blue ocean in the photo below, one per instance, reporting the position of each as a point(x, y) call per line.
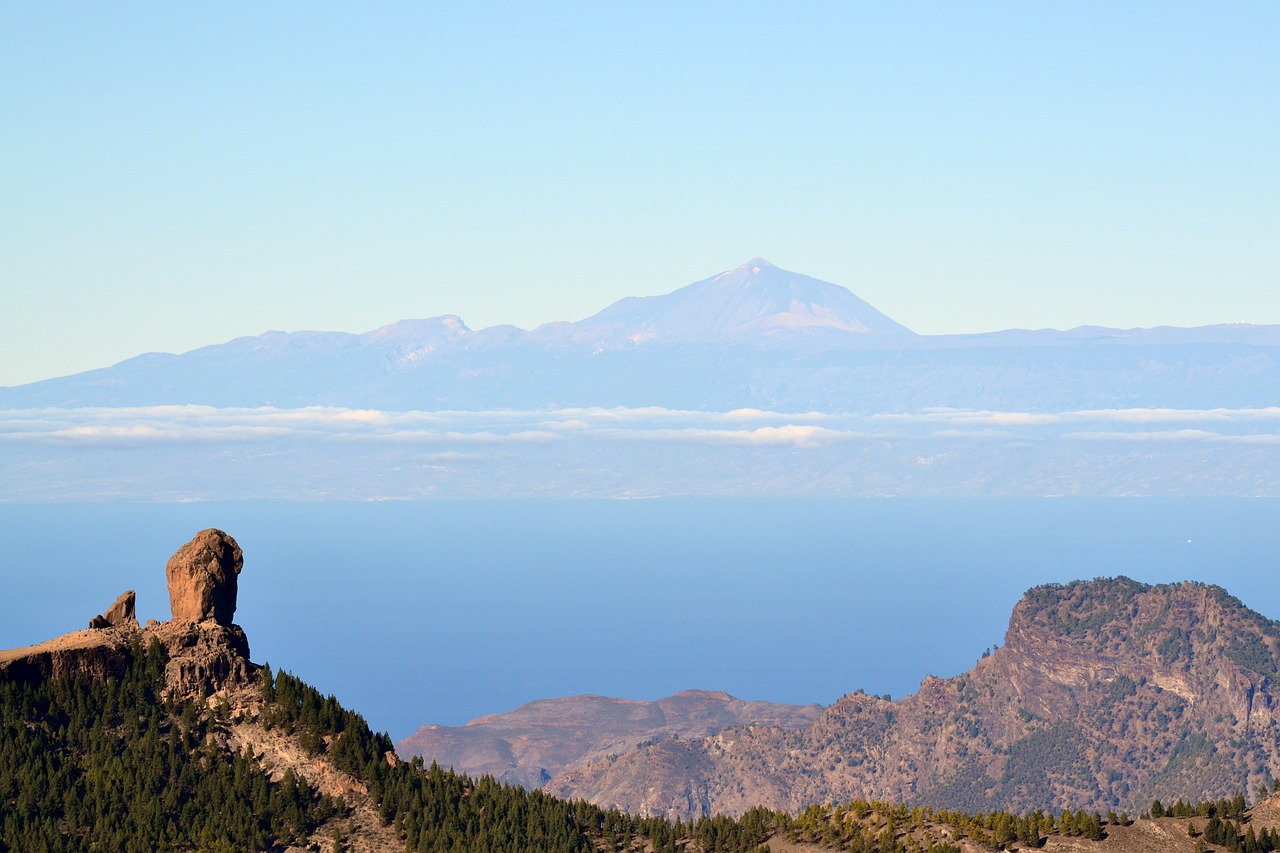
point(438, 612)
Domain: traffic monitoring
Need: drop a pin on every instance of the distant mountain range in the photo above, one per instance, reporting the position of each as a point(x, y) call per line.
point(1106, 694)
point(534, 743)
point(756, 336)
point(757, 381)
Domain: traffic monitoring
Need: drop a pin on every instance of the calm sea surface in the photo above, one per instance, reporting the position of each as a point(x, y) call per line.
point(439, 612)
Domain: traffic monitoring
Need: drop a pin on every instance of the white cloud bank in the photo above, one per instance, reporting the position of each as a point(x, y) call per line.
point(158, 425)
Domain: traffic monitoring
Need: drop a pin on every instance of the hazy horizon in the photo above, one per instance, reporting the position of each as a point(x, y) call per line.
point(178, 177)
point(390, 325)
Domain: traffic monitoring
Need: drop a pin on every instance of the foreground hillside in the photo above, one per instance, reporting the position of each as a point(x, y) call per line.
point(1106, 695)
point(112, 763)
point(123, 762)
point(129, 738)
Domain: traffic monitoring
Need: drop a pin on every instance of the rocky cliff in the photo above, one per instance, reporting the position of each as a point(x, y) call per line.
point(204, 649)
point(1106, 694)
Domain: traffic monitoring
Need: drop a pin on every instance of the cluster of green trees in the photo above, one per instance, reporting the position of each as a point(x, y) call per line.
point(437, 810)
point(880, 827)
point(1231, 807)
point(1225, 825)
point(863, 825)
point(867, 827)
point(108, 765)
point(1227, 833)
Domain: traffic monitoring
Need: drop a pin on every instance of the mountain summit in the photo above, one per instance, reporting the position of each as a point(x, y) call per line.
point(756, 299)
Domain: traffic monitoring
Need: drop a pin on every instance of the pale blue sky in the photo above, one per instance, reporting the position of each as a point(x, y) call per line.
point(173, 175)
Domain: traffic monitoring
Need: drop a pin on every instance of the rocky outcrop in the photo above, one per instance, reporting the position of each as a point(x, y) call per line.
point(204, 652)
point(203, 578)
point(1106, 694)
point(119, 614)
point(96, 653)
point(202, 657)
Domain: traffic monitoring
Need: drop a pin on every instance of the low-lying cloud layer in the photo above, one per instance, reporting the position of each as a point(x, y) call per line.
point(183, 453)
point(140, 427)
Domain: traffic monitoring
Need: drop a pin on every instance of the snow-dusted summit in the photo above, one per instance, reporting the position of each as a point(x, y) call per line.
point(755, 300)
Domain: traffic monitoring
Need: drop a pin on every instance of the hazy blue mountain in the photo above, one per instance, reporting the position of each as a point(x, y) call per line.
point(753, 303)
point(757, 336)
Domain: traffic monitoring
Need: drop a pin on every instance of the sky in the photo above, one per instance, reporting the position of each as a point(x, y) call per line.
point(176, 175)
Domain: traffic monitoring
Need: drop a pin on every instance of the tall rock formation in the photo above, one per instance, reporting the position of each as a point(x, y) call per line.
point(202, 578)
point(204, 651)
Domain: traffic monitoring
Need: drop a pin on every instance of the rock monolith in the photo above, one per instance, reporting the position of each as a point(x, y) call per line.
point(202, 578)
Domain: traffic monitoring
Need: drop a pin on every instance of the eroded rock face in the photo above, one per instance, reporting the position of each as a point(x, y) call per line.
point(122, 613)
point(203, 658)
point(535, 742)
point(202, 578)
point(200, 657)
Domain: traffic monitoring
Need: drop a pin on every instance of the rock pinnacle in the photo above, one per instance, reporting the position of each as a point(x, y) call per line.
point(202, 578)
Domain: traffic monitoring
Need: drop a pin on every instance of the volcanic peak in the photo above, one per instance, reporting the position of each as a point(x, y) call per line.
point(756, 302)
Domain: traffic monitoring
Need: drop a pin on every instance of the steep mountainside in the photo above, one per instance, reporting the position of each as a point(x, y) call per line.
point(1106, 694)
point(536, 741)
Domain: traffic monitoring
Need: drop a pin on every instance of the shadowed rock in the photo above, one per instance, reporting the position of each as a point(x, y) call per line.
point(118, 614)
point(202, 578)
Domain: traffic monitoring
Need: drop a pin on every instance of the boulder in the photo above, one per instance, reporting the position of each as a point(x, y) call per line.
point(118, 614)
point(202, 578)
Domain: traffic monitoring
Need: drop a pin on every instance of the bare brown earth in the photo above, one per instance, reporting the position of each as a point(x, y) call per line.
point(1106, 695)
point(533, 743)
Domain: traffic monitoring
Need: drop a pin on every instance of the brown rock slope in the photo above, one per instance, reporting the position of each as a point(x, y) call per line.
point(1106, 694)
point(533, 743)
